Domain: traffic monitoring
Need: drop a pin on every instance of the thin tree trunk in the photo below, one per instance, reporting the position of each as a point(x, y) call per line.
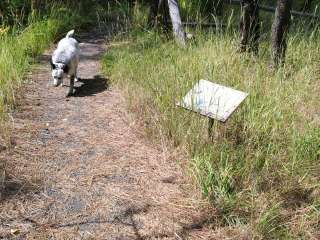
point(159, 13)
point(249, 26)
point(176, 21)
point(280, 29)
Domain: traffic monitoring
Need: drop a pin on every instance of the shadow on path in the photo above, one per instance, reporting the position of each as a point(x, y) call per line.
point(92, 86)
point(13, 187)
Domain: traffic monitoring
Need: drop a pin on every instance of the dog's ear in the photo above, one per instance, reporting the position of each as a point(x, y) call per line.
point(52, 65)
point(65, 68)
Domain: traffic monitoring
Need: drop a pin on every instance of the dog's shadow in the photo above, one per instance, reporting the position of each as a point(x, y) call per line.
point(91, 86)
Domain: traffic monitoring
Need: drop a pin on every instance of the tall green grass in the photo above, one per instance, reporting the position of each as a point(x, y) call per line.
point(262, 169)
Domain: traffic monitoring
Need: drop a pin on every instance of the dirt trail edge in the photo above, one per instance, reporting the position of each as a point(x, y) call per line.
point(82, 172)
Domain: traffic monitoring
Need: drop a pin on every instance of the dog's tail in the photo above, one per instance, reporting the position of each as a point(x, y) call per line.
point(70, 33)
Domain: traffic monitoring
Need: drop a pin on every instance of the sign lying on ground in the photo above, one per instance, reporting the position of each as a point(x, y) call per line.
point(213, 100)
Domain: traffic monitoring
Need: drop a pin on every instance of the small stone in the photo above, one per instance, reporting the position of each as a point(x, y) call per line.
point(15, 231)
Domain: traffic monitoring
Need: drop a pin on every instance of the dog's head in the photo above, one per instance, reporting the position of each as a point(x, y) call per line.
point(58, 70)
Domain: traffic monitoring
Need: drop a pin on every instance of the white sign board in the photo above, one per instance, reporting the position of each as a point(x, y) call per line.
point(213, 100)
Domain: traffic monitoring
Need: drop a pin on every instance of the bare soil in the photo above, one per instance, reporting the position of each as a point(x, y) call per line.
point(79, 167)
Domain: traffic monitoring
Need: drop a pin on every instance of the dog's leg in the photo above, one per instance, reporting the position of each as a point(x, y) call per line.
point(76, 69)
point(76, 79)
point(70, 91)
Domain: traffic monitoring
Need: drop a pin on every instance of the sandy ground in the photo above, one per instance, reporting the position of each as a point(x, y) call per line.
point(79, 168)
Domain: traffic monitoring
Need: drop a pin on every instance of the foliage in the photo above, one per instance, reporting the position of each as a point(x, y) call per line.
point(17, 12)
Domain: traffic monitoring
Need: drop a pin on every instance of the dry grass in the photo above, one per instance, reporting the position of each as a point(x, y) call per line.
point(263, 172)
point(90, 172)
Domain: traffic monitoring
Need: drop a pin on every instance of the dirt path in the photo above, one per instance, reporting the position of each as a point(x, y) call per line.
point(84, 171)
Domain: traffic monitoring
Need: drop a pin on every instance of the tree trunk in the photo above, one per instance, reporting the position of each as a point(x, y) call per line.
point(176, 21)
point(159, 13)
point(249, 26)
point(280, 29)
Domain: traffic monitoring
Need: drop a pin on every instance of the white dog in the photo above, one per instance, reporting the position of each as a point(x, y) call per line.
point(64, 61)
